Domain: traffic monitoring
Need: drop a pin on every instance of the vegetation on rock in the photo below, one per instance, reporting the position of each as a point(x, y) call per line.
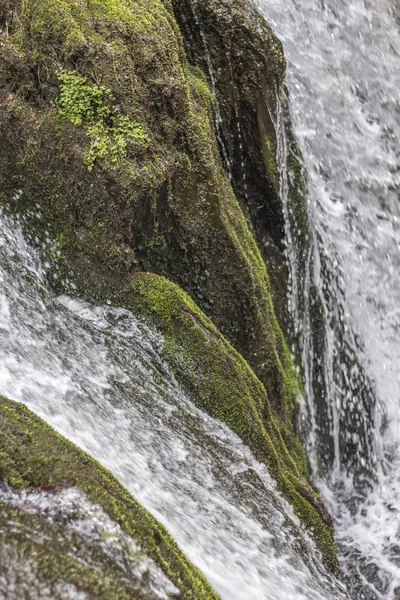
point(87, 105)
point(164, 206)
point(243, 59)
point(222, 384)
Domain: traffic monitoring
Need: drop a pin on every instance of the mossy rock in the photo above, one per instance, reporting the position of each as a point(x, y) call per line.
point(234, 45)
point(33, 455)
point(45, 560)
point(76, 80)
point(243, 59)
point(223, 384)
point(164, 206)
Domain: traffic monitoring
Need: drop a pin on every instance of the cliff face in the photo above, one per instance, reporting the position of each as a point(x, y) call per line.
point(109, 157)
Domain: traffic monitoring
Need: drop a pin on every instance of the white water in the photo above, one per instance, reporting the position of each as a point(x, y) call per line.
point(95, 374)
point(344, 83)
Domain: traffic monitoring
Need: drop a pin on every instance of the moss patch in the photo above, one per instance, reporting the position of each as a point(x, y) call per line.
point(89, 106)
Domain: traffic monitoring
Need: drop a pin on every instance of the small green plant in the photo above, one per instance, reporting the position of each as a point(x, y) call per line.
point(91, 106)
point(129, 130)
point(82, 103)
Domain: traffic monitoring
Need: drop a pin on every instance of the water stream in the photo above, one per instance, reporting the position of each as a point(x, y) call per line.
point(344, 84)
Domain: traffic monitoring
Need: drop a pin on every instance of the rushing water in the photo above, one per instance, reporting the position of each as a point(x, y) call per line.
point(344, 83)
point(95, 374)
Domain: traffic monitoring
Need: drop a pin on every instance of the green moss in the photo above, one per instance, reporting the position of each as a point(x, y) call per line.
point(270, 156)
point(33, 455)
point(81, 103)
point(222, 383)
point(109, 132)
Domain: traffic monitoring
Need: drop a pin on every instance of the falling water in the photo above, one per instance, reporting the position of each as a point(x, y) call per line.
point(95, 374)
point(344, 81)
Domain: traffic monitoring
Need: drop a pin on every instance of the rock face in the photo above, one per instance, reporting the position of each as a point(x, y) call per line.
point(233, 44)
point(244, 64)
point(162, 204)
point(109, 156)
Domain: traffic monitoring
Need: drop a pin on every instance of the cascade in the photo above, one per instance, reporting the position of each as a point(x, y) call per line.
point(96, 376)
point(343, 81)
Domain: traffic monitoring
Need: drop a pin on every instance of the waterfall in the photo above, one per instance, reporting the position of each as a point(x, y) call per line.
point(96, 376)
point(343, 80)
